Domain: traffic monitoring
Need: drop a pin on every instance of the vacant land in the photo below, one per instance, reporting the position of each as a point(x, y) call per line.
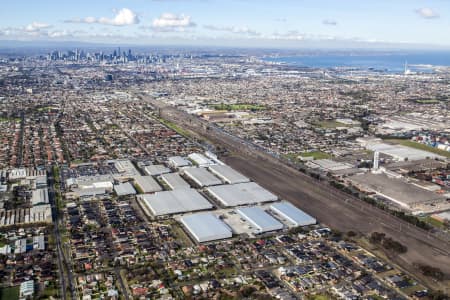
point(241, 106)
point(174, 127)
point(11, 293)
point(427, 101)
point(419, 146)
point(329, 124)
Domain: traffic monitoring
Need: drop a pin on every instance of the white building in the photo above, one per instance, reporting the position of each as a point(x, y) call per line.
point(205, 227)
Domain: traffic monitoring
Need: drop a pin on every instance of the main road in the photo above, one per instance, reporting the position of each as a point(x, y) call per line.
point(329, 205)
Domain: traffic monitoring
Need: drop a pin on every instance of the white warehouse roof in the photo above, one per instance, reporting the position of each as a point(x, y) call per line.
point(39, 196)
point(200, 159)
point(201, 176)
point(124, 189)
point(156, 170)
point(176, 201)
point(206, 227)
point(228, 174)
point(147, 184)
point(261, 220)
point(178, 162)
point(175, 181)
point(293, 214)
point(241, 194)
point(401, 153)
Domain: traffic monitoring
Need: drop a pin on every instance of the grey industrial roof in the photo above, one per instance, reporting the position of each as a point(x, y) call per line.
point(200, 159)
point(178, 161)
point(147, 184)
point(293, 214)
point(260, 219)
point(89, 192)
point(176, 201)
point(201, 176)
point(228, 174)
point(396, 189)
point(241, 194)
point(206, 227)
point(123, 189)
point(175, 181)
point(156, 170)
point(39, 196)
point(401, 152)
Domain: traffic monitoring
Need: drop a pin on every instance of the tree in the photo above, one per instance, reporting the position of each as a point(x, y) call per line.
point(432, 272)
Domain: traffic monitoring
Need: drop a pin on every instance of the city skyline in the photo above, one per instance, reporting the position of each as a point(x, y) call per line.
point(290, 24)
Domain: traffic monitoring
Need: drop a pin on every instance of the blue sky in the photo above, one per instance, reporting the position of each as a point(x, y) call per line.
point(291, 23)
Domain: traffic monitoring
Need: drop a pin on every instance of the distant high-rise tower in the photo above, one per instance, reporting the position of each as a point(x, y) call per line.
point(376, 159)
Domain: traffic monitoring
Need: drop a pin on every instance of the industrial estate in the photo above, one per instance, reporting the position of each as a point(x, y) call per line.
point(164, 174)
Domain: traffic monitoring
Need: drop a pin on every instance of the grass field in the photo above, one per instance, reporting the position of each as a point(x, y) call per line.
point(3, 119)
point(174, 127)
point(419, 146)
point(319, 297)
point(11, 293)
point(240, 106)
point(427, 101)
point(432, 222)
point(330, 124)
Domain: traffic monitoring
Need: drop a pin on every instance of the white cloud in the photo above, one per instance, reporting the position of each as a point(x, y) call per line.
point(329, 22)
point(292, 35)
point(169, 21)
point(36, 26)
point(233, 29)
point(123, 17)
point(427, 13)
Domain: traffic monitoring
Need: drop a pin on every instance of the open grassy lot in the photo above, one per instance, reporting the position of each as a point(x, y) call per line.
point(330, 124)
point(11, 293)
point(174, 127)
point(427, 101)
point(240, 106)
point(419, 146)
point(433, 222)
point(3, 119)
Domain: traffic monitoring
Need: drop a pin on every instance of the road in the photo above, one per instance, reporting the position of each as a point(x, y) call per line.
point(62, 261)
point(329, 205)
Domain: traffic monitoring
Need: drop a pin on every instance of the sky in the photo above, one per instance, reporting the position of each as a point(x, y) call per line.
point(267, 23)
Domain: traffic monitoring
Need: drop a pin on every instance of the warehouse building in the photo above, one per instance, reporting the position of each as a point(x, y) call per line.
point(205, 227)
point(201, 177)
point(39, 196)
point(241, 194)
point(401, 192)
point(403, 153)
point(262, 221)
point(147, 184)
point(173, 202)
point(124, 189)
point(125, 168)
point(88, 193)
point(156, 170)
point(292, 214)
point(228, 174)
point(178, 162)
point(174, 181)
point(26, 289)
point(200, 160)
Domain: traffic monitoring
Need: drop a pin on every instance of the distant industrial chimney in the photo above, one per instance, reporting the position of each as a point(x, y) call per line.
point(376, 159)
